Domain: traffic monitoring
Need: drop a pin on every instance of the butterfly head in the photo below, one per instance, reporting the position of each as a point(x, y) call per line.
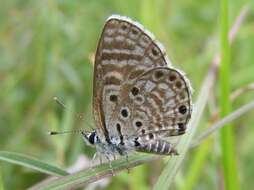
point(90, 138)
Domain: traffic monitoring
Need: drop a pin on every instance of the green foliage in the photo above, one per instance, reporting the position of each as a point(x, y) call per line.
point(46, 50)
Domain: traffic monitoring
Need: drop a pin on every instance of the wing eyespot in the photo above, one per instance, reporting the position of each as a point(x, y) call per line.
point(124, 27)
point(138, 124)
point(155, 52)
point(134, 31)
point(134, 91)
point(172, 77)
point(124, 113)
point(159, 75)
point(178, 84)
point(182, 109)
point(113, 98)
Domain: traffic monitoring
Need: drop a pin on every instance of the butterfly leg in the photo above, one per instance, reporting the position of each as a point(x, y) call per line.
point(127, 160)
point(114, 156)
point(93, 164)
point(110, 164)
point(100, 160)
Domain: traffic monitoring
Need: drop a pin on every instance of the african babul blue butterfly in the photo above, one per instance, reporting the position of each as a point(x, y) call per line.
point(139, 99)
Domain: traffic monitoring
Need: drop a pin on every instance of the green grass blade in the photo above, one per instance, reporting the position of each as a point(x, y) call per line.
point(196, 167)
point(84, 177)
point(231, 180)
point(1, 179)
point(29, 162)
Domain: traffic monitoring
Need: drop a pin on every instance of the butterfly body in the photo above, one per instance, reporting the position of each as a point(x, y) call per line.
point(139, 99)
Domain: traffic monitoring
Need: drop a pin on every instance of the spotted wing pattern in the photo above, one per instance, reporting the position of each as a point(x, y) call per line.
point(139, 98)
point(157, 105)
point(161, 102)
point(124, 52)
point(161, 108)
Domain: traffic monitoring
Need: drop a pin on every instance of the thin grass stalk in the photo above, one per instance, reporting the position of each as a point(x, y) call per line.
point(228, 155)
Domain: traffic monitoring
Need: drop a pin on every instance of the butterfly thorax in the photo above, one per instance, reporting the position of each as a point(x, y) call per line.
point(103, 147)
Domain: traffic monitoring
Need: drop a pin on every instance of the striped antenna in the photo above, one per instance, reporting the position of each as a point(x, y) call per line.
point(64, 132)
point(78, 115)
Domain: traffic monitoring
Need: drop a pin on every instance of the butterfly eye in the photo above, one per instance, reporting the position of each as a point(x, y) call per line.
point(92, 137)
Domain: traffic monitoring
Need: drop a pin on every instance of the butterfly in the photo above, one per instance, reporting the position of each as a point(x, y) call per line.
point(139, 99)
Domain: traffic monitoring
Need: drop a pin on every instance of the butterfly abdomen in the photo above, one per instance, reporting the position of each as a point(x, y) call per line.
point(157, 147)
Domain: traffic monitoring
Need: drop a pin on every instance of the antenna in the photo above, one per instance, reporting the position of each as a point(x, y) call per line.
point(64, 132)
point(59, 102)
point(78, 115)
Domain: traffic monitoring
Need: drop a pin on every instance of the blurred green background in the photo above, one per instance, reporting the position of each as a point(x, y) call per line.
point(46, 48)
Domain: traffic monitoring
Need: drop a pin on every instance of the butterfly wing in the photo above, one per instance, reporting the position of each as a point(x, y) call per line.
point(124, 52)
point(157, 104)
point(165, 108)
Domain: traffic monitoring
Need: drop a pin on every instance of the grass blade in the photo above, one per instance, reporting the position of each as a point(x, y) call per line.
point(1, 179)
point(29, 162)
point(197, 165)
point(84, 177)
point(228, 155)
